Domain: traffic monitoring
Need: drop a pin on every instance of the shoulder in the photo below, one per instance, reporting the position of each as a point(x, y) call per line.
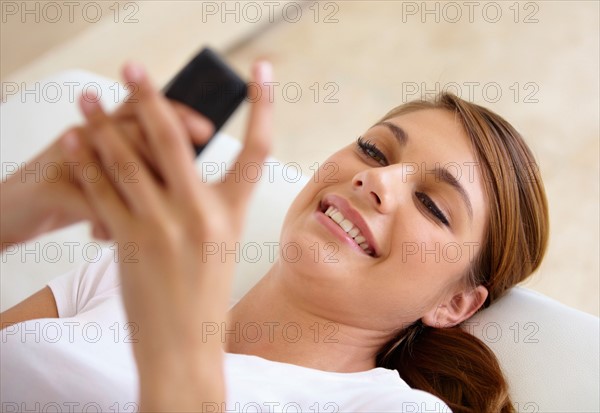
point(82, 287)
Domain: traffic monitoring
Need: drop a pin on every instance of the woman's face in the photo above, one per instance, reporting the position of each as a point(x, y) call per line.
point(413, 191)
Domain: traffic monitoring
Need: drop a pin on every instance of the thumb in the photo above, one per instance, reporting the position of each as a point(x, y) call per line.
point(257, 141)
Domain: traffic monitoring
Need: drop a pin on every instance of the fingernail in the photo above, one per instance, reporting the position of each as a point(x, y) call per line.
point(199, 127)
point(89, 101)
point(265, 71)
point(70, 142)
point(134, 72)
point(88, 106)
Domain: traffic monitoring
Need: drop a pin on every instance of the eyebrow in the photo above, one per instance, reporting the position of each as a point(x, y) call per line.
point(440, 173)
point(448, 178)
point(397, 131)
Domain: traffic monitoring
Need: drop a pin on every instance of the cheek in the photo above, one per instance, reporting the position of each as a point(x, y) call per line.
point(417, 242)
point(297, 240)
point(326, 178)
point(421, 267)
point(299, 203)
point(333, 171)
point(409, 287)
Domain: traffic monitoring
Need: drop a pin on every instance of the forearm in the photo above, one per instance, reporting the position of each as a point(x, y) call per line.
point(32, 203)
point(26, 209)
point(40, 305)
point(13, 220)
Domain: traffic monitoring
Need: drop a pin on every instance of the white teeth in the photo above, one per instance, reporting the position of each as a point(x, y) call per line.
point(348, 227)
point(337, 217)
point(360, 239)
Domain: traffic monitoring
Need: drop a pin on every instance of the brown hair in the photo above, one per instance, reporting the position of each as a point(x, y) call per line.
point(449, 362)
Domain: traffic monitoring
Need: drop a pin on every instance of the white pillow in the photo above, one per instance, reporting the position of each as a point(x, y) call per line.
point(548, 351)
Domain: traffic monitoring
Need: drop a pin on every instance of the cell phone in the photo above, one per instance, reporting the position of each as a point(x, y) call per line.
point(208, 85)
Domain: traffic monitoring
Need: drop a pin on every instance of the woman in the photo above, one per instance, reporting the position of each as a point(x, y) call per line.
point(429, 178)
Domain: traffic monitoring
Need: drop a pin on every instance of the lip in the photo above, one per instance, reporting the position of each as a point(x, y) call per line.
point(353, 215)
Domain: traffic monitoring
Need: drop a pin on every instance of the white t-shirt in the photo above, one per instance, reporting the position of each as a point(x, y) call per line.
point(83, 361)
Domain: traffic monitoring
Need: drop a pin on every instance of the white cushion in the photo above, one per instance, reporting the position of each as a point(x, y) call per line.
point(548, 351)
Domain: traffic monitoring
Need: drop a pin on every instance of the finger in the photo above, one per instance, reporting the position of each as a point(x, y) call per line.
point(169, 141)
point(127, 108)
point(199, 127)
point(132, 178)
point(128, 124)
point(124, 111)
point(100, 232)
point(98, 189)
point(132, 132)
point(257, 142)
point(125, 117)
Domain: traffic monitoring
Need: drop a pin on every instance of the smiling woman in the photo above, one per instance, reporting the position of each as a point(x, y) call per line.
point(449, 362)
point(435, 212)
point(395, 210)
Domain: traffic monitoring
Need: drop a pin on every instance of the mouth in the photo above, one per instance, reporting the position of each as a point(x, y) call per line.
point(339, 211)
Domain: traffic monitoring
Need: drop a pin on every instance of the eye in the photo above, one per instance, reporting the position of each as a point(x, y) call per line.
point(432, 207)
point(371, 150)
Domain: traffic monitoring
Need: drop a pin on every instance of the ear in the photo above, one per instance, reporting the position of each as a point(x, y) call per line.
point(458, 308)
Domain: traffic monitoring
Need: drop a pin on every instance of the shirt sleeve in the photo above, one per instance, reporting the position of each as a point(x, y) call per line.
point(75, 290)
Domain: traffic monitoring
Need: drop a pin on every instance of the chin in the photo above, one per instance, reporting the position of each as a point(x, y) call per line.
point(307, 255)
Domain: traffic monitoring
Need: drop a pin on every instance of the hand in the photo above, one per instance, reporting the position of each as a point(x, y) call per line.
point(172, 286)
point(58, 202)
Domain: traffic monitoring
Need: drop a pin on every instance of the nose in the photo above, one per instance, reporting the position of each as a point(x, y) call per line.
point(382, 187)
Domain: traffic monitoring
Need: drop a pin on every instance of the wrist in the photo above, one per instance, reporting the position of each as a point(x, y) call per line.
point(12, 214)
point(22, 216)
point(182, 383)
